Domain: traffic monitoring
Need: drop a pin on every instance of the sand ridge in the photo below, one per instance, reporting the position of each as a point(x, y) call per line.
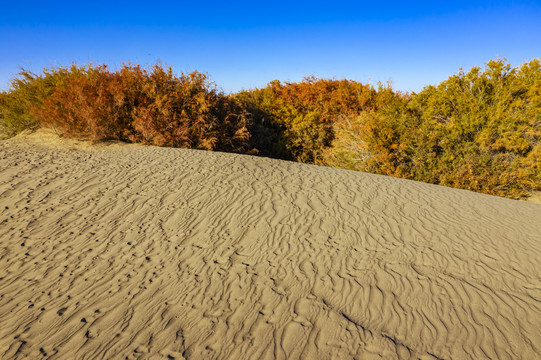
point(143, 252)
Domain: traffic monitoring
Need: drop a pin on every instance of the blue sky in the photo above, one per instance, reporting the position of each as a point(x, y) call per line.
point(247, 44)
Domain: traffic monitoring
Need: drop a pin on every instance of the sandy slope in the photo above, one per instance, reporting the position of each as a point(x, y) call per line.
point(143, 252)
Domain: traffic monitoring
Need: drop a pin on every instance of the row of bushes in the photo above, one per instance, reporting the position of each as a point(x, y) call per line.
point(479, 130)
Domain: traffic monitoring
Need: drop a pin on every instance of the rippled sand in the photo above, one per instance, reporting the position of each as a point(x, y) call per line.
point(143, 252)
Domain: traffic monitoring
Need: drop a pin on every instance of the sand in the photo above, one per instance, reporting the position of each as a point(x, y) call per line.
point(123, 251)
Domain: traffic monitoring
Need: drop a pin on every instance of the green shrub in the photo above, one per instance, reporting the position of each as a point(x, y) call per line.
point(26, 91)
point(479, 131)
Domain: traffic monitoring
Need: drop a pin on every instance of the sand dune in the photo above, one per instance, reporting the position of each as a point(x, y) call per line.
point(142, 252)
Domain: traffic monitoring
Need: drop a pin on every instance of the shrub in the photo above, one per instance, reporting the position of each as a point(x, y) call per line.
point(26, 91)
point(300, 116)
point(478, 131)
point(481, 127)
point(146, 106)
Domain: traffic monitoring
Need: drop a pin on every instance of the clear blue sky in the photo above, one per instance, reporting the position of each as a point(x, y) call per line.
point(248, 44)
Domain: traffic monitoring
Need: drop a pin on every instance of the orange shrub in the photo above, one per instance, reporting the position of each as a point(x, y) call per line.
point(295, 120)
point(145, 106)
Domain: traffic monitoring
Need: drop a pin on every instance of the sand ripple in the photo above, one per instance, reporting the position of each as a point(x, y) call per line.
point(142, 252)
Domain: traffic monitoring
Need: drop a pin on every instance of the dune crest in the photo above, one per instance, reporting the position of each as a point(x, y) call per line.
point(144, 252)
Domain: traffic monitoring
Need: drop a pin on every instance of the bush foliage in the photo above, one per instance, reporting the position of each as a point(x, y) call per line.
point(300, 116)
point(478, 130)
point(27, 91)
point(132, 104)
